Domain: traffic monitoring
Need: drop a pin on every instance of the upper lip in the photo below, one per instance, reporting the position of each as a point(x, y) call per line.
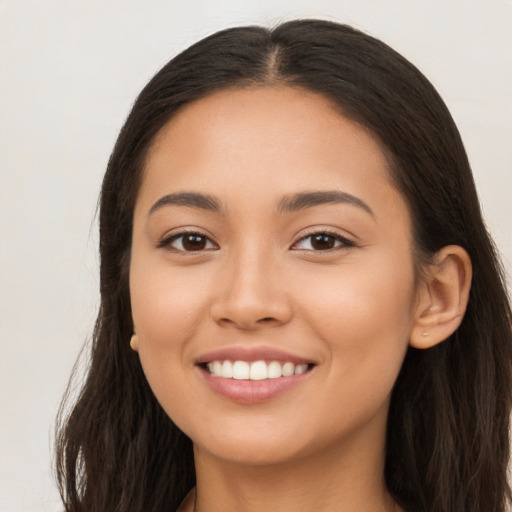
point(251, 353)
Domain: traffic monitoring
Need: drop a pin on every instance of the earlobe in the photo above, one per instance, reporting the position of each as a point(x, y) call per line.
point(134, 343)
point(442, 298)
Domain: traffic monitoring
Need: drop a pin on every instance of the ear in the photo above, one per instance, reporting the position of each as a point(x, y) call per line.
point(442, 297)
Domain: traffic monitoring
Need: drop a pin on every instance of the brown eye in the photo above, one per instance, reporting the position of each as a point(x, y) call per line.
point(194, 242)
point(188, 242)
point(322, 241)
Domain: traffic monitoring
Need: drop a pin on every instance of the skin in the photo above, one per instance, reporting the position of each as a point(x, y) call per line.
point(258, 280)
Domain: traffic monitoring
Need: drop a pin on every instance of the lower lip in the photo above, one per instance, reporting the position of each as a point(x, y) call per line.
point(252, 391)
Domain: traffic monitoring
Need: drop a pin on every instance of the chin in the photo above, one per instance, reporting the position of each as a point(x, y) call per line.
point(260, 443)
point(251, 452)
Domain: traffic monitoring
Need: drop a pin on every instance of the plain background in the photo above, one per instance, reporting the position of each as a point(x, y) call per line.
point(69, 72)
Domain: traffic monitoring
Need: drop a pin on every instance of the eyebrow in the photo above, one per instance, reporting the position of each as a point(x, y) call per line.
point(304, 200)
point(190, 199)
point(288, 204)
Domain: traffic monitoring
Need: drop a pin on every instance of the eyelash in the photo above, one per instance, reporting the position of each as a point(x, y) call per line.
point(342, 242)
point(168, 241)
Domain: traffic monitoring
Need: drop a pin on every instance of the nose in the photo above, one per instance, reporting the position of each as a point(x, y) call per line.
point(250, 294)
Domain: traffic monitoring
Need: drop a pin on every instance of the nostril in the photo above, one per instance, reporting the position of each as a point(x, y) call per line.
point(266, 319)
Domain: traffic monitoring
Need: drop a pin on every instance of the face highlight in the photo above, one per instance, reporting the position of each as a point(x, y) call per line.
point(271, 277)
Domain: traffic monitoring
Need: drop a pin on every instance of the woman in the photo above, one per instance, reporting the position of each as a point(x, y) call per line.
point(300, 305)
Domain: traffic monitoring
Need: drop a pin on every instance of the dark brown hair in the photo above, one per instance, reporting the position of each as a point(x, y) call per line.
point(448, 441)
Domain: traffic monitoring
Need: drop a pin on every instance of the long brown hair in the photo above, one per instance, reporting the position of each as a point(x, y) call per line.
point(448, 441)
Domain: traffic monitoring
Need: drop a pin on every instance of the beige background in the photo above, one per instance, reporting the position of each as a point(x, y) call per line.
point(69, 71)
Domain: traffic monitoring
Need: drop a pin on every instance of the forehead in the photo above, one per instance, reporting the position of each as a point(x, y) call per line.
point(265, 141)
point(270, 115)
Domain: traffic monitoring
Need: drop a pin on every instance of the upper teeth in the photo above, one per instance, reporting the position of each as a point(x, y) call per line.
point(257, 370)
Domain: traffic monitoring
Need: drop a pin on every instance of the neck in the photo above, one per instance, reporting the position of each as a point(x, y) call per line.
point(348, 478)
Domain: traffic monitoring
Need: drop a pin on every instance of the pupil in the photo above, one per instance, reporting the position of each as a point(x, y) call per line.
point(323, 242)
point(194, 242)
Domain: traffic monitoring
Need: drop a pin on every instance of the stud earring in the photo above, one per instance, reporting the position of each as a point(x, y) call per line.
point(424, 333)
point(134, 342)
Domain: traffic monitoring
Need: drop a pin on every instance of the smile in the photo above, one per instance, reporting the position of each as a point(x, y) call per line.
point(256, 370)
point(250, 375)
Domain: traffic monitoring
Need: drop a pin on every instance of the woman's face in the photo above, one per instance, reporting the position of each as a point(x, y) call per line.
point(268, 239)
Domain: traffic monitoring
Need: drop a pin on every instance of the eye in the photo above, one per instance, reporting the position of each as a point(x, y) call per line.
point(188, 242)
point(321, 241)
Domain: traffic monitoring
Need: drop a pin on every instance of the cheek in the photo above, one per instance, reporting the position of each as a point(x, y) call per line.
point(363, 314)
point(168, 309)
point(363, 320)
point(166, 305)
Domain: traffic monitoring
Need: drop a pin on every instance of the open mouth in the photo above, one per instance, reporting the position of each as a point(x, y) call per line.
point(254, 370)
